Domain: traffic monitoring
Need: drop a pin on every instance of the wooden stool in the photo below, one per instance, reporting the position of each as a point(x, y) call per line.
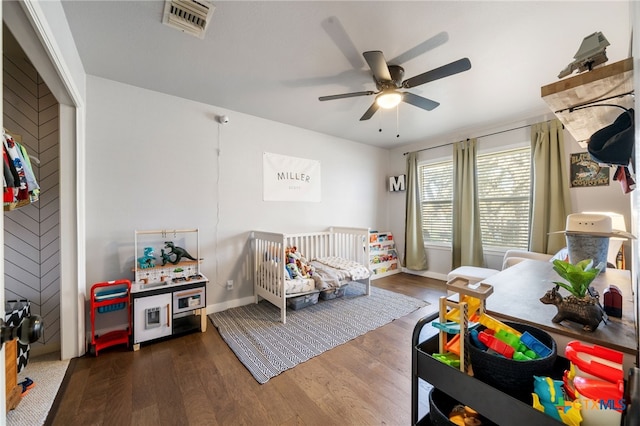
point(13, 389)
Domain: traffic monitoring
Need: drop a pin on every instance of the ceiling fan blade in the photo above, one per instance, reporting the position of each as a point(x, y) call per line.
point(378, 65)
point(444, 71)
point(427, 45)
point(369, 113)
point(345, 95)
point(419, 101)
point(341, 39)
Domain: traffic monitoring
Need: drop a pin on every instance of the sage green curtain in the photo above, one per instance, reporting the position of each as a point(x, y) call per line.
point(415, 256)
point(550, 202)
point(467, 236)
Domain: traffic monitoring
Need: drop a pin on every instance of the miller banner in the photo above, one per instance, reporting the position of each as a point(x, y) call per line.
point(290, 178)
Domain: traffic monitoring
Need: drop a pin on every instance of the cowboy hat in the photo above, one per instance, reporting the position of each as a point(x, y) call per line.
point(597, 225)
point(614, 143)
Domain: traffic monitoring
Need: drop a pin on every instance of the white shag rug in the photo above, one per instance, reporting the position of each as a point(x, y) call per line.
point(47, 372)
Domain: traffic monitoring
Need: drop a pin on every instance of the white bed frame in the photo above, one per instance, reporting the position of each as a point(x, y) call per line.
point(347, 243)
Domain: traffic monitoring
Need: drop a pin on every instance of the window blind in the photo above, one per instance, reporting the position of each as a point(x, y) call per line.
point(436, 190)
point(504, 183)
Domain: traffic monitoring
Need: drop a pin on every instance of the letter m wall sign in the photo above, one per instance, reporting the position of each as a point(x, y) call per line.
point(397, 183)
point(290, 179)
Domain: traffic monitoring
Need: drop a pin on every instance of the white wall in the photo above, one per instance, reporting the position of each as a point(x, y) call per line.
point(152, 163)
point(582, 199)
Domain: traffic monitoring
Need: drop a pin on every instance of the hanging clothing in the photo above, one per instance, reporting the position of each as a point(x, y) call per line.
point(20, 186)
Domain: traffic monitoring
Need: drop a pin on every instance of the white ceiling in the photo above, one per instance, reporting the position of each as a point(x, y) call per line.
point(274, 59)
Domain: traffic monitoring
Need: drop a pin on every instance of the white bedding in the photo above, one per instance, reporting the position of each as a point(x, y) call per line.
point(328, 272)
point(332, 272)
point(299, 285)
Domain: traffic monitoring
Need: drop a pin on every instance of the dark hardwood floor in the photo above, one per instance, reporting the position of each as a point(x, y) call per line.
point(197, 380)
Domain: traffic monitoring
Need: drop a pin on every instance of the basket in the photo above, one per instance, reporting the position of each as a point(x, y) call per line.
point(333, 293)
point(508, 375)
point(440, 405)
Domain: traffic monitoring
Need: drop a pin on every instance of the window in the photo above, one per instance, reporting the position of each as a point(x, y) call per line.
point(504, 180)
point(436, 193)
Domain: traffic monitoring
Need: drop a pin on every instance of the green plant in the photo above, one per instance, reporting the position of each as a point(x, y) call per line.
point(579, 275)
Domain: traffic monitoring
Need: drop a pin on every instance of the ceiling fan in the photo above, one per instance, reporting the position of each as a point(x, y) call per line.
point(388, 79)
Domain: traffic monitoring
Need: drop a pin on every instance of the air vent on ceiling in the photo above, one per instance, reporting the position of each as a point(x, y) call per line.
point(189, 16)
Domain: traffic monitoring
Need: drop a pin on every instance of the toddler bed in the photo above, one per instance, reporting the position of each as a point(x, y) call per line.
point(337, 256)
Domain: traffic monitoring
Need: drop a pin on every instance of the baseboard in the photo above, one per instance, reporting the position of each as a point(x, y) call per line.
point(218, 307)
point(426, 274)
point(41, 349)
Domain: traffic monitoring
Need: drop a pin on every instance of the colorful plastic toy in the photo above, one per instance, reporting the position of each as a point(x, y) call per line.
point(496, 325)
point(595, 361)
point(147, 261)
point(524, 353)
point(522, 356)
point(496, 344)
point(453, 345)
point(452, 327)
point(549, 398)
point(470, 303)
point(514, 341)
point(448, 358)
point(535, 345)
point(473, 304)
point(473, 334)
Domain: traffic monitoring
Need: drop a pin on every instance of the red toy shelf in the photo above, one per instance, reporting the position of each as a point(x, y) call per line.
point(107, 297)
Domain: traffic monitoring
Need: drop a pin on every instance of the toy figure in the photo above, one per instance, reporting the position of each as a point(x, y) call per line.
point(294, 272)
point(179, 252)
point(147, 261)
point(165, 257)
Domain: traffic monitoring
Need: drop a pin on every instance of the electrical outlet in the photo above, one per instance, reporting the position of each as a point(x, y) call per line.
point(230, 285)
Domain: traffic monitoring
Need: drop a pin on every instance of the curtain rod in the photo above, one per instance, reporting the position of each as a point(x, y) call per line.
point(477, 137)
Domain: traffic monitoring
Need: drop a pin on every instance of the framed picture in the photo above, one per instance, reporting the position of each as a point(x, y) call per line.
point(585, 172)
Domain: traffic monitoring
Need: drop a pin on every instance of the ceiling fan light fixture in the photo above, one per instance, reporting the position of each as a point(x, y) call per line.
point(389, 99)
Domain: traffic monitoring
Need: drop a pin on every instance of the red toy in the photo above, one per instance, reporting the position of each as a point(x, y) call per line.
point(496, 344)
point(595, 361)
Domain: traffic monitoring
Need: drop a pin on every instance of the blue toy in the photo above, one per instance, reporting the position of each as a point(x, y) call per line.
point(535, 345)
point(147, 261)
point(548, 397)
point(476, 340)
point(452, 327)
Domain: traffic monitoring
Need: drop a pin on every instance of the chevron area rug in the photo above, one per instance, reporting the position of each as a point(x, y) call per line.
point(267, 347)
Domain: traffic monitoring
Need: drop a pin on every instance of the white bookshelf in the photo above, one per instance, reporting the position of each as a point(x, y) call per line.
point(383, 255)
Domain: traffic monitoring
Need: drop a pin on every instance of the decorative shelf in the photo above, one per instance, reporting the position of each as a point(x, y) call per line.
point(610, 84)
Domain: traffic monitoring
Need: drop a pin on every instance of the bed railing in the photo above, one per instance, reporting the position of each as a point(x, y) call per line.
point(269, 260)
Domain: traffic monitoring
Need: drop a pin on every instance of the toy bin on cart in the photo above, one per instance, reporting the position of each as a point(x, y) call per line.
point(108, 297)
